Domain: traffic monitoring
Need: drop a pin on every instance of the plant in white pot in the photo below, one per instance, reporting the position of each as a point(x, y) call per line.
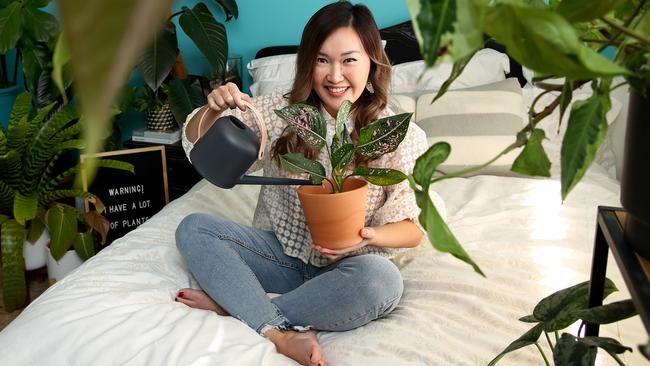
point(334, 222)
point(556, 39)
point(36, 170)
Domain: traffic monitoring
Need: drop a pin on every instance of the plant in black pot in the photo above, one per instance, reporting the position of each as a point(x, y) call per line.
point(162, 65)
point(558, 40)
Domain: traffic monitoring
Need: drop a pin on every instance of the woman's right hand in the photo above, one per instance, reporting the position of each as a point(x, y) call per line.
point(227, 96)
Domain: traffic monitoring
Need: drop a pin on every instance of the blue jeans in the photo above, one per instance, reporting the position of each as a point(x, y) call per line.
point(237, 265)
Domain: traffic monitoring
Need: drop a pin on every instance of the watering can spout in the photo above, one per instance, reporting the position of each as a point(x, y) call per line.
point(253, 179)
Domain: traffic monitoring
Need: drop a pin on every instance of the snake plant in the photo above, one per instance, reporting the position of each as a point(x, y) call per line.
point(32, 181)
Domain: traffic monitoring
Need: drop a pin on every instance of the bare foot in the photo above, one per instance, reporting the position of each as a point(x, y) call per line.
point(199, 300)
point(301, 347)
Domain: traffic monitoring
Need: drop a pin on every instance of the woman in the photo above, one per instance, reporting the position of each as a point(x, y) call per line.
point(340, 57)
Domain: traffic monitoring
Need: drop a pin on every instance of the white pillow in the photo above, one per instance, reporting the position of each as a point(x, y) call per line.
point(272, 73)
point(487, 66)
point(477, 122)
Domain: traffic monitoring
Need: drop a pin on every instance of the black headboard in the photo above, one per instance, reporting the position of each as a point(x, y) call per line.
point(402, 46)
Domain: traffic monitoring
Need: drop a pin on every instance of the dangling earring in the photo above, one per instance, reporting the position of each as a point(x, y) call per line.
point(369, 87)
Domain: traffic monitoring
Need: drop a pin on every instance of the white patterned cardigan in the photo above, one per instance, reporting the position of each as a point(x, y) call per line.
point(278, 208)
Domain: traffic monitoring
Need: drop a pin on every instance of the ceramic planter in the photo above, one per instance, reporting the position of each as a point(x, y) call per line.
point(334, 220)
point(161, 119)
point(56, 270)
point(635, 178)
point(35, 254)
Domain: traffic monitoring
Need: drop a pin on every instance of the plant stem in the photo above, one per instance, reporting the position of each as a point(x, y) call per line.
point(543, 355)
point(617, 86)
point(548, 339)
point(459, 173)
point(176, 13)
point(557, 337)
point(618, 360)
point(639, 37)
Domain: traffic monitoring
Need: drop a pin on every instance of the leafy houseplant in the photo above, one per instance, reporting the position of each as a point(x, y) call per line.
point(344, 219)
point(34, 177)
point(32, 33)
point(563, 308)
point(162, 65)
point(556, 39)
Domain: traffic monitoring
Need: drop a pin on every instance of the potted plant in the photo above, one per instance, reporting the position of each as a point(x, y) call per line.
point(162, 65)
point(335, 212)
point(563, 308)
point(556, 39)
point(35, 174)
point(27, 39)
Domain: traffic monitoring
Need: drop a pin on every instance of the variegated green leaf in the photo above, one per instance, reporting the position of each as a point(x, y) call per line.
point(527, 339)
point(14, 287)
point(557, 311)
point(529, 319)
point(379, 176)
point(25, 207)
point(570, 351)
point(607, 314)
point(341, 118)
point(297, 163)
point(342, 157)
point(612, 346)
point(383, 135)
point(306, 122)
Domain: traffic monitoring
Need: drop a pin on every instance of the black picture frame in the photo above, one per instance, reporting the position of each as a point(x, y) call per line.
point(130, 199)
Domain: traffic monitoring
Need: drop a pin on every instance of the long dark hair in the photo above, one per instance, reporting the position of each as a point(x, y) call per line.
point(368, 107)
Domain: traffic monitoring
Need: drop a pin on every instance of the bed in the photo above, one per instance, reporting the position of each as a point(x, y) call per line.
point(118, 308)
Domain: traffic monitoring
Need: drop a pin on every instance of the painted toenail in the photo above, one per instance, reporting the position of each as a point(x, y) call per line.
point(181, 294)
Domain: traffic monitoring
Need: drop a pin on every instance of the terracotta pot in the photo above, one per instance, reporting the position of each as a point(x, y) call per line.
point(334, 220)
point(635, 178)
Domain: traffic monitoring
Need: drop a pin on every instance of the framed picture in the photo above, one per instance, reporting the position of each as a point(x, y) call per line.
point(130, 198)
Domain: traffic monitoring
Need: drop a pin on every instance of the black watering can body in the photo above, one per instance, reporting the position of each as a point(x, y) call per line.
point(224, 153)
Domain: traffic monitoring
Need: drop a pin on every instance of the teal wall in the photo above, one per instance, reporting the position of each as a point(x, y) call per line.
point(264, 23)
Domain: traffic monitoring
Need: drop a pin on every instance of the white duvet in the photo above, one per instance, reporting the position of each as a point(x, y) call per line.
point(119, 309)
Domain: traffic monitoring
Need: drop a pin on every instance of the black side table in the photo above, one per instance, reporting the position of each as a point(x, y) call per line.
point(181, 175)
point(635, 269)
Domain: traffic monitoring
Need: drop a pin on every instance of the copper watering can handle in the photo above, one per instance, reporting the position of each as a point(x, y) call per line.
point(260, 124)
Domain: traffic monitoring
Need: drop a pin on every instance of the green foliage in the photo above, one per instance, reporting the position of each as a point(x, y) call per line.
point(33, 177)
point(157, 64)
point(556, 39)
point(32, 32)
point(563, 308)
point(375, 139)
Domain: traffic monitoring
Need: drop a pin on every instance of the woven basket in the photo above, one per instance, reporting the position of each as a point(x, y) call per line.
point(161, 119)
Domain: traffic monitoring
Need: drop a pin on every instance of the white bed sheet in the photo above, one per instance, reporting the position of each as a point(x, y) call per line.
point(119, 309)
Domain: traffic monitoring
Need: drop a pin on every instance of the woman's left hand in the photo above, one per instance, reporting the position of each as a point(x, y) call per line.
point(367, 233)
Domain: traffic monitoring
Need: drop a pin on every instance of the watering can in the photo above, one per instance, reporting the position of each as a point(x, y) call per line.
point(224, 152)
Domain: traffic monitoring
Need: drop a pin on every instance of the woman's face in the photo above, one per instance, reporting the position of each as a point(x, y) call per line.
point(341, 69)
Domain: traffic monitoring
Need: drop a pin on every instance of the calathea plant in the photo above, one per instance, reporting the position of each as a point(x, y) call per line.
point(35, 175)
point(563, 308)
point(376, 139)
